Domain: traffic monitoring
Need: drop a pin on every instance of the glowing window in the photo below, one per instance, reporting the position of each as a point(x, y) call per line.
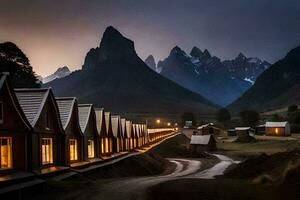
point(73, 149)
point(47, 151)
point(102, 145)
point(276, 130)
point(5, 152)
point(91, 149)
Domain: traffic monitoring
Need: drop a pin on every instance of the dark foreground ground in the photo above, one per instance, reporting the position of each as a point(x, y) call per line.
point(151, 176)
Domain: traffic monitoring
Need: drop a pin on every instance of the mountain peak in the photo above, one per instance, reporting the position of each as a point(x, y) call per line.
point(206, 53)
point(177, 50)
point(114, 47)
point(150, 61)
point(196, 52)
point(241, 56)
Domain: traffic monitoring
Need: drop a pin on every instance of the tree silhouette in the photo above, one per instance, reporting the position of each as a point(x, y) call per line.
point(14, 61)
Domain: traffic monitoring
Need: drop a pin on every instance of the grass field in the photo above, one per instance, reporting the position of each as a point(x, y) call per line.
point(266, 145)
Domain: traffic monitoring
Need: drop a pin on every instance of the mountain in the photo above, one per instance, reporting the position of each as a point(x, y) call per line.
point(59, 73)
point(14, 61)
point(150, 61)
point(277, 87)
point(219, 81)
point(114, 77)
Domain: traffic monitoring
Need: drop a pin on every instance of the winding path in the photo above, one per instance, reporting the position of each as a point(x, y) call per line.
point(135, 188)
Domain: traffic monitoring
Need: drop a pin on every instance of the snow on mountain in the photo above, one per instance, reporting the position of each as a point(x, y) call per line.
point(59, 73)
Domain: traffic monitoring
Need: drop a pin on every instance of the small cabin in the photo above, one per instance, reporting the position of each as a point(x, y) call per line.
point(117, 132)
point(129, 131)
point(15, 131)
point(245, 134)
point(87, 122)
point(278, 128)
point(200, 143)
point(134, 136)
point(41, 110)
point(208, 129)
point(68, 109)
point(125, 135)
point(103, 144)
point(109, 133)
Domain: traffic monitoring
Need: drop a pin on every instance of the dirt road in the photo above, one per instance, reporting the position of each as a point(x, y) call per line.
point(136, 188)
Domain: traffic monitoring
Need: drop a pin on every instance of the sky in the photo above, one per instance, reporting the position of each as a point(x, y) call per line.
point(56, 33)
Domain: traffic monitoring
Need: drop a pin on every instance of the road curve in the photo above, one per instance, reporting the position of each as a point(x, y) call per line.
point(136, 188)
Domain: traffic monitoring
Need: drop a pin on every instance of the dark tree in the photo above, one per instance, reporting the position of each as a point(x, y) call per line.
point(14, 61)
point(277, 118)
point(250, 117)
point(223, 116)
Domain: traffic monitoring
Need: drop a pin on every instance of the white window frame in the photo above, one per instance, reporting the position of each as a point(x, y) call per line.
point(48, 148)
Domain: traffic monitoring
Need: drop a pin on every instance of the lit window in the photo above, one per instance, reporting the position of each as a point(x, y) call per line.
point(91, 150)
point(276, 130)
point(73, 149)
point(1, 113)
point(47, 151)
point(102, 145)
point(5, 152)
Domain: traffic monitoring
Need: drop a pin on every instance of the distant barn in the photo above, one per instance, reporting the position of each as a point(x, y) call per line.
point(200, 143)
point(278, 128)
point(207, 129)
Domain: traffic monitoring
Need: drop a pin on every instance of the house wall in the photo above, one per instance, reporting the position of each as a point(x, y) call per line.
point(90, 134)
point(54, 132)
point(13, 127)
point(272, 131)
point(73, 132)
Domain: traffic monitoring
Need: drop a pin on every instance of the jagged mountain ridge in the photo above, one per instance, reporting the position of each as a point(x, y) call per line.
point(114, 77)
point(219, 81)
point(277, 87)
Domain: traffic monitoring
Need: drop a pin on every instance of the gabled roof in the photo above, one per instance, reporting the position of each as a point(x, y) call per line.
point(115, 124)
point(84, 113)
point(107, 121)
point(99, 118)
point(123, 125)
point(276, 124)
point(5, 81)
point(65, 106)
point(201, 139)
point(129, 128)
point(243, 128)
point(32, 101)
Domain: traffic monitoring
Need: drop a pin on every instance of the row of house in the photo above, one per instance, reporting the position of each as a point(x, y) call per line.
point(40, 131)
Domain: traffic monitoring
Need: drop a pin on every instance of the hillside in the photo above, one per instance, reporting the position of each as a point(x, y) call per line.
point(114, 77)
point(277, 87)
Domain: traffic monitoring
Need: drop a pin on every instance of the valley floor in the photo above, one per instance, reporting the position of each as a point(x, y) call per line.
point(168, 171)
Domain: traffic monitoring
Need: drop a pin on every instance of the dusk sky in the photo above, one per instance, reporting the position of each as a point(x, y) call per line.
point(57, 33)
